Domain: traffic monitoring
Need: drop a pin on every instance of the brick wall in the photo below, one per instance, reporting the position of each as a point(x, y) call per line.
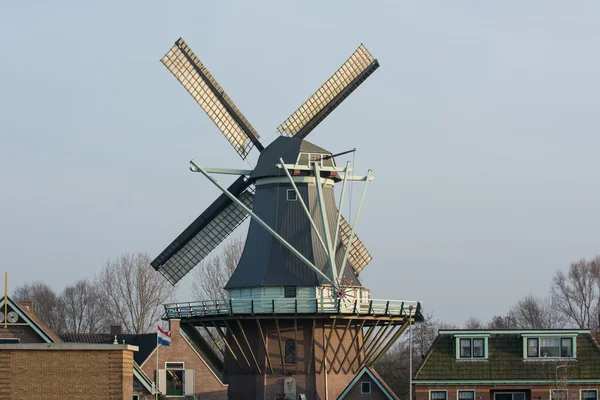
point(206, 384)
point(25, 333)
point(66, 371)
point(486, 392)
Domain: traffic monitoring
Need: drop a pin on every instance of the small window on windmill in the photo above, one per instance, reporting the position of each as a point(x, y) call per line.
point(290, 351)
point(316, 158)
point(291, 195)
point(289, 292)
point(303, 159)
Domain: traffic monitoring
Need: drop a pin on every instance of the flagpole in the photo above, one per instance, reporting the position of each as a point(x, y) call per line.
point(156, 378)
point(5, 298)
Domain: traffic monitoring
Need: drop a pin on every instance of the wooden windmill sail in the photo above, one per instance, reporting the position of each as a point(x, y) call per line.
point(224, 215)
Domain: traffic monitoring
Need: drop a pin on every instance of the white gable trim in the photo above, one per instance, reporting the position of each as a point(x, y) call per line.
point(358, 376)
point(29, 321)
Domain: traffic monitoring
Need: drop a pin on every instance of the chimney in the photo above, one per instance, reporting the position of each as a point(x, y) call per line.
point(28, 305)
point(115, 329)
point(174, 326)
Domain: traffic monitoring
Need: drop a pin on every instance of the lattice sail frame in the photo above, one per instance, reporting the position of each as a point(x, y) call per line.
point(360, 61)
point(359, 256)
point(181, 61)
point(207, 239)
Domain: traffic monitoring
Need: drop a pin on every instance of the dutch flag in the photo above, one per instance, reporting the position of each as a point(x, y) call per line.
point(163, 338)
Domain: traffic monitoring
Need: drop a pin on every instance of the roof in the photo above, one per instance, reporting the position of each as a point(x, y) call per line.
point(31, 319)
point(287, 148)
point(45, 328)
point(505, 358)
point(376, 378)
point(145, 342)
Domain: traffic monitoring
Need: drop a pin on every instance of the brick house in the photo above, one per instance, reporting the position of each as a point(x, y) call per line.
point(183, 372)
point(510, 365)
point(367, 384)
point(34, 363)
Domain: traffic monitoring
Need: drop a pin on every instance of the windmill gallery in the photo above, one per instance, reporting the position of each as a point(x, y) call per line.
point(297, 322)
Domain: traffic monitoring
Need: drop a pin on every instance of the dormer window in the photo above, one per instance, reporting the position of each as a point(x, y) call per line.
point(549, 346)
point(471, 347)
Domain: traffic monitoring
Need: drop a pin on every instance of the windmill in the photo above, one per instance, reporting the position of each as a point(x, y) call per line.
point(298, 274)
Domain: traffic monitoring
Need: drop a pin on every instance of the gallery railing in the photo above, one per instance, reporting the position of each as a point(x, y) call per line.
point(226, 307)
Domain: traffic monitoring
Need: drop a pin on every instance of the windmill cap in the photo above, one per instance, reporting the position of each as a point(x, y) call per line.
point(288, 148)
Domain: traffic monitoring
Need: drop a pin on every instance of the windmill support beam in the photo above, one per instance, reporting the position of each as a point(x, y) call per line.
point(280, 346)
point(364, 342)
point(378, 345)
point(382, 330)
point(321, 199)
point(351, 238)
point(358, 332)
point(248, 344)
point(331, 328)
point(197, 168)
point(227, 344)
point(390, 343)
point(226, 171)
point(337, 350)
point(303, 204)
point(215, 341)
point(339, 216)
point(238, 345)
point(264, 342)
point(312, 345)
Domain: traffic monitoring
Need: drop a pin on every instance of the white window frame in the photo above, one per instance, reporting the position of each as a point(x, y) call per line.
point(485, 338)
point(361, 387)
point(431, 391)
point(587, 390)
point(552, 391)
point(293, 192)
point(175, 362)
point(512, 393)
point(539, 338)
point(467, 390)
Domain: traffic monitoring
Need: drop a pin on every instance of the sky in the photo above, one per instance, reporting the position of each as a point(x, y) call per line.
point(481, 128)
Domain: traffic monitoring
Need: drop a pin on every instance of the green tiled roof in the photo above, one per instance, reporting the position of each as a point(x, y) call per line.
point(505, 361)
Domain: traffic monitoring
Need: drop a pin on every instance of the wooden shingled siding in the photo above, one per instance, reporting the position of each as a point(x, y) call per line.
point(505, 361)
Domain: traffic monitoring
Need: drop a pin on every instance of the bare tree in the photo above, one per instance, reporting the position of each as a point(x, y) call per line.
point(133, 292)
point(535, 313)
point(576, 294)
point(83, 308)
point(211, 276)
point(474, 323)
point(46, 304)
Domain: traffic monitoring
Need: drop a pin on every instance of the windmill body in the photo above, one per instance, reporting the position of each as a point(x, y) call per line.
point(296, 319)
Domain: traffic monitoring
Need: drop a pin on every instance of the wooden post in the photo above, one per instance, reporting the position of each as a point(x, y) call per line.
point(339, 345)
point(248, 344)
point(262, 336)
point(280, 347)
point(358, 332)
point(227, 344)
point(238, 344)
point(312, 345)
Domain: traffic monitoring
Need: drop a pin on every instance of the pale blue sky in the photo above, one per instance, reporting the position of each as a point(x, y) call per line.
point(481, 127)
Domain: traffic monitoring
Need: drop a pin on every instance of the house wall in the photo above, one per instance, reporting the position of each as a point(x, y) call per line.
point(23, 332)
point(376, 392)
point(206, 384)
point(66, 371)
point(485, 392)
